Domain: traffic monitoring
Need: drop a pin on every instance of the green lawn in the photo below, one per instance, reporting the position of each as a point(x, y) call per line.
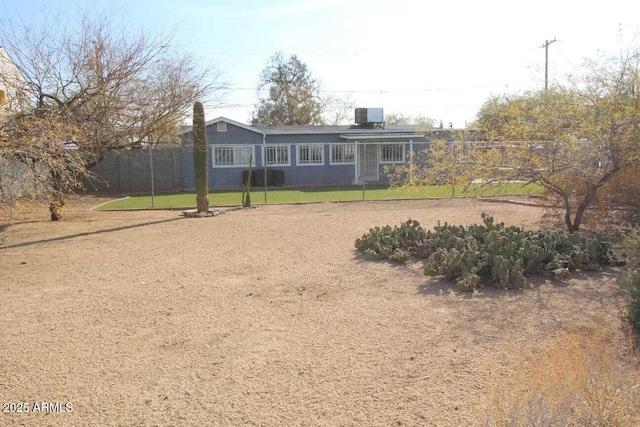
point(313, 194)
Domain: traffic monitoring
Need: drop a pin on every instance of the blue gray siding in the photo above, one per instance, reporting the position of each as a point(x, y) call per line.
point(221, 177)
point(294, 174)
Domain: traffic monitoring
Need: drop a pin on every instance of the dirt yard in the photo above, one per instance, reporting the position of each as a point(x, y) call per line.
point(263, 317)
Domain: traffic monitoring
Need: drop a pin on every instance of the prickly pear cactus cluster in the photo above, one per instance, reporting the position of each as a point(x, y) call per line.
point(489, 253)
point(400, 243)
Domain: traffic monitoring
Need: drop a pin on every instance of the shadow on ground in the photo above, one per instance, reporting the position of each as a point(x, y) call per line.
point(88, 233)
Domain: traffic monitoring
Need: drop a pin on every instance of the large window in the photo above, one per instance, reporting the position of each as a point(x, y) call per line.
point(392, 153)
point(342, 154)
point(310, 155)
point(277, 155)
point(232, 155)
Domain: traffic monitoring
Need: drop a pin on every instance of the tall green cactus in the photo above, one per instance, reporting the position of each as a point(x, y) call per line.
point(200, 158)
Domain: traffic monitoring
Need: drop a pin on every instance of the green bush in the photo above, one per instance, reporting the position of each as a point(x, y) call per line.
point(490, 253)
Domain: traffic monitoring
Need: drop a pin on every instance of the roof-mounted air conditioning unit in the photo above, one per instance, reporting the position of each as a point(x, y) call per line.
point(369, 116)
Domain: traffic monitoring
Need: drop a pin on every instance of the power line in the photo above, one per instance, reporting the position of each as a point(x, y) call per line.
point(387, 91)
point(233, 106)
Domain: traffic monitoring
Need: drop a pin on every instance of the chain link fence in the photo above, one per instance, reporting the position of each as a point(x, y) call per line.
point(162, 176)
point(148, 170)
point(18, 183)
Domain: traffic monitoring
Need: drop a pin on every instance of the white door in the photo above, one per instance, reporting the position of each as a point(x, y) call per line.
point(369, 164)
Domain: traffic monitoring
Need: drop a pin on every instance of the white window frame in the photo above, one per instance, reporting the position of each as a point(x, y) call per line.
point(386, 161)
point(233, 147)
point(314, 147)
point(265, 148)
point(221, 126)
point(351, 147)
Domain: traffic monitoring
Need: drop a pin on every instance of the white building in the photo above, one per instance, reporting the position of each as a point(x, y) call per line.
point(12, 82)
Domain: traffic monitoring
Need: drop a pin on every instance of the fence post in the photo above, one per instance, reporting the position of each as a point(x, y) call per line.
point(410, 160)
point(364, 158)
point(153, 195)
point(264, 162)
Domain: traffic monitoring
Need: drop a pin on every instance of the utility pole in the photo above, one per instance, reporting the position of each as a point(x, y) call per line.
point(546, 61)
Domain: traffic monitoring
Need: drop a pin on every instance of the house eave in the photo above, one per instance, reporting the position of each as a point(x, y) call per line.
point(380, 137)
point(221, 119)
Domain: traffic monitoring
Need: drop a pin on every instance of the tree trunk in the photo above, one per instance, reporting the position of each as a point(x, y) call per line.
point(573, 225)
point(578, 219)
point(56, 202)
point(582, 207)
point(56, 199)
point(567, 213)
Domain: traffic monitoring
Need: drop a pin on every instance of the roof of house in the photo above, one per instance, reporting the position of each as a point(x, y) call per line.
point(314, 130)
point(347, 131)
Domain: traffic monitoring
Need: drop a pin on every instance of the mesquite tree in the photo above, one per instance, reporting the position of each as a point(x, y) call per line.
point(573, 139)
point(570, 140)
point(200, 158)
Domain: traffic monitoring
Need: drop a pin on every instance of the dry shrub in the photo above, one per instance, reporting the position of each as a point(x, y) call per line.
point(580, 378)
point(617, 203)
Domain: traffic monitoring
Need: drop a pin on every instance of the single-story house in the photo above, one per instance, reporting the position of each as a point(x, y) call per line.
point(284, 155)
point(301, 155)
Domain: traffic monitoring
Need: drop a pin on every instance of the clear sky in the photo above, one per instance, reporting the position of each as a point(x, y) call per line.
point(438, 59)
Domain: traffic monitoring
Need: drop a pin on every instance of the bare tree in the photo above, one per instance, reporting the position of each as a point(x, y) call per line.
point(421, 121)
point(99, 85)
point(36, 158)
point(339, 109)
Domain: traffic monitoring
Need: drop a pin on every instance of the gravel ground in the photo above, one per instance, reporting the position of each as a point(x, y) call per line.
point(262, 317)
